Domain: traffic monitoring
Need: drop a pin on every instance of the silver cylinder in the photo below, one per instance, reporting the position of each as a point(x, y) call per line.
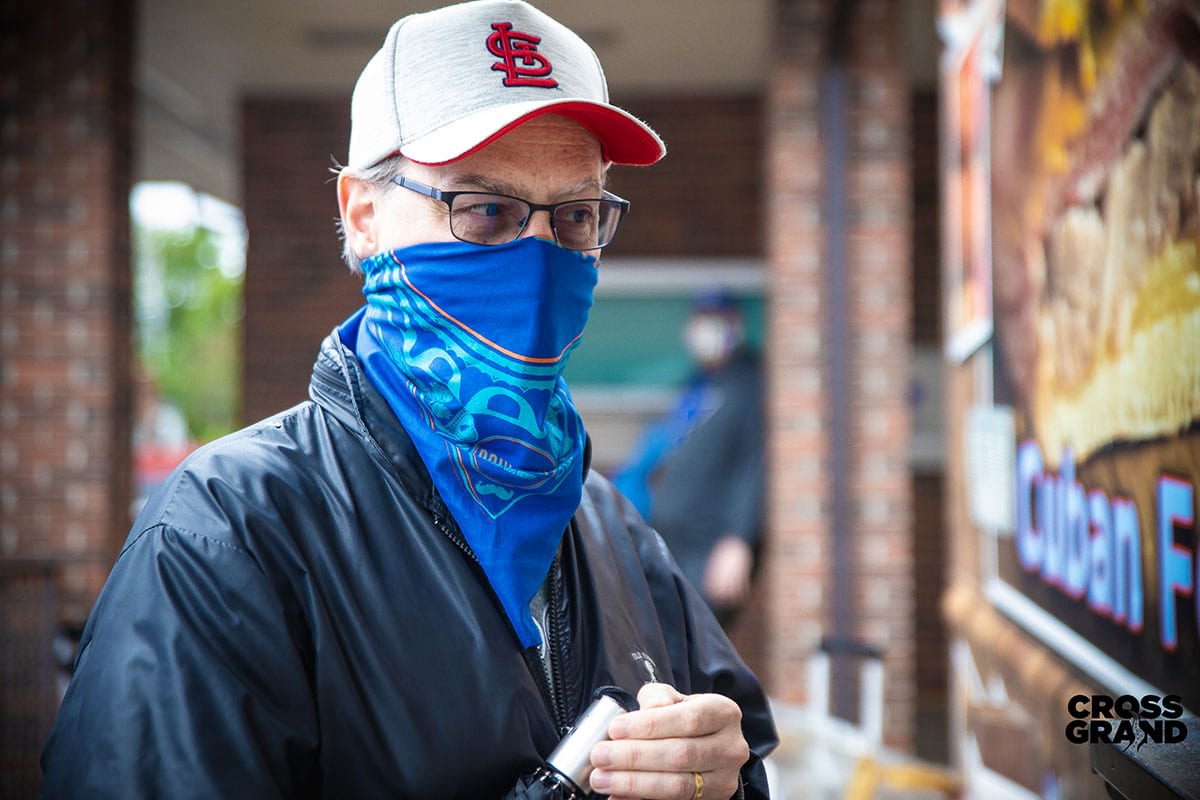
point(572, 759)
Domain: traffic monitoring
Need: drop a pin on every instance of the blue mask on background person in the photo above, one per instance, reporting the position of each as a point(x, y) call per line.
point(468, 344)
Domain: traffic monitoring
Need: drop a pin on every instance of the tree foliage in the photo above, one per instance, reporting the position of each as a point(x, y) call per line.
point(189, 312)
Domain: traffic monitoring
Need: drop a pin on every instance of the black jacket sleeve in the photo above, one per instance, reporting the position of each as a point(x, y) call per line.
point(186, 684)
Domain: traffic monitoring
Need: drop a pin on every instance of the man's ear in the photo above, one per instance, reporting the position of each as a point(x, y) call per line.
point(357, 203)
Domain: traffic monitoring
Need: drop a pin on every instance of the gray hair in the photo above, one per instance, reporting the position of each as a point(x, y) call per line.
point(380, 177)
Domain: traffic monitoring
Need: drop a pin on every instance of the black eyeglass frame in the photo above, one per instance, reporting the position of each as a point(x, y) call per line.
point(447, 197)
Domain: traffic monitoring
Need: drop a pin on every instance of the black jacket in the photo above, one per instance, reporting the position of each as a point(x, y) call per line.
point(295, 614)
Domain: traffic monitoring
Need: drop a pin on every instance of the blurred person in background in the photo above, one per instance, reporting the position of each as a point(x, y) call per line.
point(411, 585)
point(698, 474)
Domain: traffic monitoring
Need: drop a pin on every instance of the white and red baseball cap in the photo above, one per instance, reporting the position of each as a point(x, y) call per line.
point(448, 82)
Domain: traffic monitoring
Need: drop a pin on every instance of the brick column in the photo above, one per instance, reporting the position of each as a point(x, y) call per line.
point(65, 351)
point(65, 348)
point(796, 555)
point(840, 463)
point(880, 255)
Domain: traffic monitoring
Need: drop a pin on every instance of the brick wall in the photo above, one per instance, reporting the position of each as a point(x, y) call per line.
point(65, 417)
point(296, 286)
point(872, 464)
point(705, 197)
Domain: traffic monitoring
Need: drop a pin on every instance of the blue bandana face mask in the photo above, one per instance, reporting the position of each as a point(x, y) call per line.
point(468, 343)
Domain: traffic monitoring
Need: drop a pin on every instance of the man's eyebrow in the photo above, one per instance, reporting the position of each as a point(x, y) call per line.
point(484, 183)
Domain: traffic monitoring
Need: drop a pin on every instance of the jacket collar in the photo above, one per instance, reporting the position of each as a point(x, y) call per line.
point(340, 387)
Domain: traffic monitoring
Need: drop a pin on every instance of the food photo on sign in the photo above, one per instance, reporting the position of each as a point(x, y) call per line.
point(1096, 256)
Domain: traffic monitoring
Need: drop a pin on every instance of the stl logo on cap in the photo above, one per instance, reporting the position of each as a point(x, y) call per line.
point(520, 62)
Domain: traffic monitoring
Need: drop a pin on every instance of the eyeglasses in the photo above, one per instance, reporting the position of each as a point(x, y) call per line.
point(488, 218)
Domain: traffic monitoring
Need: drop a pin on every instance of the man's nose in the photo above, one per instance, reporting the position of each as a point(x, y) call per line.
point(539, 225)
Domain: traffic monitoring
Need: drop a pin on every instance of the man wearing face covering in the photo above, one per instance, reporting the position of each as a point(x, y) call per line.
point(698, 474)
point(411, 585)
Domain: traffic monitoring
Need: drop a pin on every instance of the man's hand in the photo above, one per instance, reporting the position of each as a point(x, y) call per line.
point(727, 575)
point(655, 752)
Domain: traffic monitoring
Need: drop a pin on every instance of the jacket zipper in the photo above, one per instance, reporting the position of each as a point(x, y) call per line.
point(554, 637)
point(554, 644)
point(453, 535)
